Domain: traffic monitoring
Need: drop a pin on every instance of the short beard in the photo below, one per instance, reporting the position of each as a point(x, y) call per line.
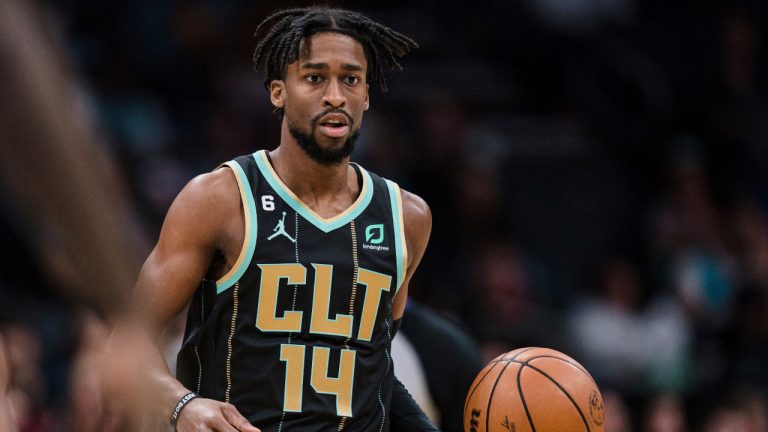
point(309, 144)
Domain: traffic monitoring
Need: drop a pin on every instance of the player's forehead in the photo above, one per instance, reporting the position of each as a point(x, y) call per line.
point(331, 48)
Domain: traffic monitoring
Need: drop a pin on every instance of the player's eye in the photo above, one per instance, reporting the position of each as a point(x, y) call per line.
point(313, 78)
point(351, 80)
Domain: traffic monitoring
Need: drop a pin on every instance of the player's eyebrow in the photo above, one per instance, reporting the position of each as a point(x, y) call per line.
point(309, 65)
point(353, 67)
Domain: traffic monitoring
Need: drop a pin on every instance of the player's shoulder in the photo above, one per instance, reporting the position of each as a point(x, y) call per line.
point(217, 189)
point(417, 220)
point(415, 209)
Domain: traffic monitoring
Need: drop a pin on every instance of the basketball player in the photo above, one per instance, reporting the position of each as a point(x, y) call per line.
point(304, 257)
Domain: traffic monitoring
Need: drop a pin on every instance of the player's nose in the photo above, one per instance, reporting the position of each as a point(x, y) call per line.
point(333, 96)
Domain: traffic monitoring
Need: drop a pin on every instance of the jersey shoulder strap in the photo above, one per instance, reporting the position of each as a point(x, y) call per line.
point(394, 194)
point(246, 174)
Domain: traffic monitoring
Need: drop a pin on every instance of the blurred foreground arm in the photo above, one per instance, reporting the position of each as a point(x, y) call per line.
point(193, 231)
point(6, 420)
point(60, 182)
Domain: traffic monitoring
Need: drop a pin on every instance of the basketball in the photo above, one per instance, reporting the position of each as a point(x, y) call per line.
point(533, 389)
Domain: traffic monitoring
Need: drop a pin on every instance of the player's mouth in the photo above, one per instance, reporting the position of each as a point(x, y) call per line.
point(334, 125)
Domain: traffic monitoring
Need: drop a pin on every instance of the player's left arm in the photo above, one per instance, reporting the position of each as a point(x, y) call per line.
point(417, 223)
point(405, 413)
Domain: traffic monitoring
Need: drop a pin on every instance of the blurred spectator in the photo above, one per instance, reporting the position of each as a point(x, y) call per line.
point(665, 413)
point(746, 340)
point(442, 154)
point(479, 205)
point(617, 415)
point(688, 240)
point(741, 410)
point(628, 339)
point(750, 232)
point(506, 311)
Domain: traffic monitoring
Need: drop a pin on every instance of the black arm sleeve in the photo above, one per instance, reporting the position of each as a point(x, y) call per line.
point(396, 326)
point(405, 413)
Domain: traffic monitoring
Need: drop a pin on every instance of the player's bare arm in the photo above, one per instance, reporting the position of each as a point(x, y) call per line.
point(197, 240)
point(417, 221)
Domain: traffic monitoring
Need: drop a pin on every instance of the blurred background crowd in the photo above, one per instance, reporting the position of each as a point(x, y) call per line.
point(596, 171)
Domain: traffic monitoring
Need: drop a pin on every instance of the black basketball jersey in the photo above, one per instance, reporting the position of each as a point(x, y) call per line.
point(297, 334)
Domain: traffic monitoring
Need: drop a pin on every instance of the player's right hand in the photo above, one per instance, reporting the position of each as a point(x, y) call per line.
point(202, 414)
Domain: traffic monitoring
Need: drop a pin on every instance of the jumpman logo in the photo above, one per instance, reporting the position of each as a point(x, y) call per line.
point(280, 230)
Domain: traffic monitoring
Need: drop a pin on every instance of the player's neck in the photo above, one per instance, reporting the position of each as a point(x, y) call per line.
point(314, 183)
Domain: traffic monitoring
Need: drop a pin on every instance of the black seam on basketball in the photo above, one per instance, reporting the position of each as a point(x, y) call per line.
point(490, 398)
point(562, 359)
point(520, 353)
point(576, 365)
point(472, 391)
point(575, 405)
point(522, 397)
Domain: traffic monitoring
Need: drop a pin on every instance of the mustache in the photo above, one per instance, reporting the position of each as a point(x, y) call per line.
point(317, 118)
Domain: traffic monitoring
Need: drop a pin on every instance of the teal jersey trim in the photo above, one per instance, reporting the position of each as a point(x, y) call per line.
point(251, 230)
point(396, 201)
point(323, 224)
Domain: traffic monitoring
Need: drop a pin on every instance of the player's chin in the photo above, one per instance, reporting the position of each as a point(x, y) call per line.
point(332, 144)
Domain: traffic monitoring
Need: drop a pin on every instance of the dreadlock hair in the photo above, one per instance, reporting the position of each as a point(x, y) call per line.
point(284, 30)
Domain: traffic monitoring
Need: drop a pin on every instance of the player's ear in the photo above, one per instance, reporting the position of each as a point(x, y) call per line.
point(367, 102)
point(277, 93)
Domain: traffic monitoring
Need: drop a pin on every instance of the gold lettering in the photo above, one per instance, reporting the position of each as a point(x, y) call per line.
point(340, 386)
point(266, 315)
point(321, 324)
point(293, 356)
point(375, 284)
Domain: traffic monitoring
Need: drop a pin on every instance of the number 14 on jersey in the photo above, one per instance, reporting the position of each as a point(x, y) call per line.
point(268, 319)
point(341, 386)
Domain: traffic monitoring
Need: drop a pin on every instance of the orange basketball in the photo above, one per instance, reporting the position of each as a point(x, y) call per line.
point(533, 390)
